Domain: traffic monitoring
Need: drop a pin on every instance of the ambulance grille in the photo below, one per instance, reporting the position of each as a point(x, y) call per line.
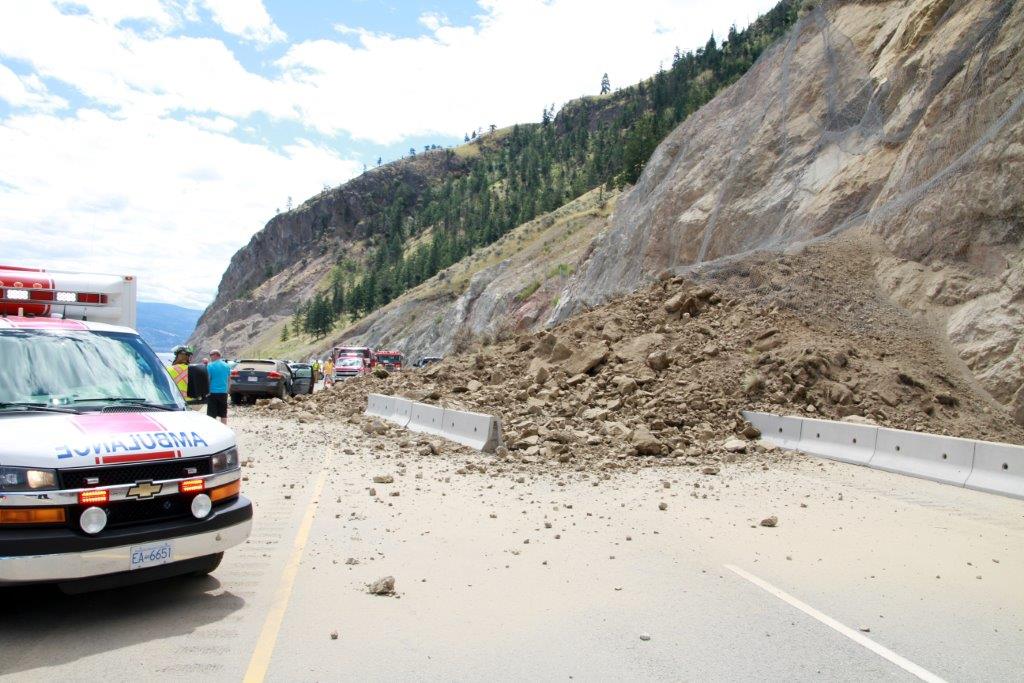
point(113, 475)
point(127, 512)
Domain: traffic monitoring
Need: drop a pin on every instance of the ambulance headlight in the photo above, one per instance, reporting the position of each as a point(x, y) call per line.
point(225, 460)
point(27, 479)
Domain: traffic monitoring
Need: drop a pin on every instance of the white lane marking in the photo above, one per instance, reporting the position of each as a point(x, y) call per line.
point(855, 636)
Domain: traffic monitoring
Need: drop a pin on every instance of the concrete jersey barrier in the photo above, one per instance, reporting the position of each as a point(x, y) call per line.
point(777, 429)
point(998, 468)
point(379, 405)
point(401, 412)
point(427, 419)
point(928, 456)
point(843, 441)
point(476, 430)
point(980, 465)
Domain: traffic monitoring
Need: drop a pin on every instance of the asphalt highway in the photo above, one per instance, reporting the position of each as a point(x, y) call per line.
point(867, 575)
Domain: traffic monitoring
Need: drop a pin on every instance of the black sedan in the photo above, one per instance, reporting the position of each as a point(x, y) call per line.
point(252, 379)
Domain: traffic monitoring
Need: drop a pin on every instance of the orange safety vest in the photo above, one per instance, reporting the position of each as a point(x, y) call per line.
point(179, 375)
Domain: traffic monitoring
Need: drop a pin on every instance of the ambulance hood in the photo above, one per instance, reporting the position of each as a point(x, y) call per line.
point(57, 441)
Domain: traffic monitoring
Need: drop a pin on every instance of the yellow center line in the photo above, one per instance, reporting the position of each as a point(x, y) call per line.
point(260, 661)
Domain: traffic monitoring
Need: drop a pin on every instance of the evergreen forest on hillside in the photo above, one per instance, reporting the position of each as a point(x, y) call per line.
point(532, 169)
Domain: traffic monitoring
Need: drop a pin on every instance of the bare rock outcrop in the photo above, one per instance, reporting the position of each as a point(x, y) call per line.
point(901, 119)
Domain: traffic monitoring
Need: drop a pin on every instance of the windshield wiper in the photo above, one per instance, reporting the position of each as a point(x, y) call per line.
point(123, 399)
point(40, 407)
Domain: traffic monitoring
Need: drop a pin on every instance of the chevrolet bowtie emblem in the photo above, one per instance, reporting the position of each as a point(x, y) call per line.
point(144, 489)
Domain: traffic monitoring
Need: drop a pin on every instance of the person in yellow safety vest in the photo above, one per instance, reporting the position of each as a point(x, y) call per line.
point(179, 368)
point(329, 373)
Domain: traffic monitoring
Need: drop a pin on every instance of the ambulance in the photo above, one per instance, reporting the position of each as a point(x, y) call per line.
point(106, 478)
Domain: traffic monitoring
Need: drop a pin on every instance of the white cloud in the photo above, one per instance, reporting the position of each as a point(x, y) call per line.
point(523, 56)
point(113, 12)
point(247, 19)
point(121, 69)
point(156, 197)
point(145, 175)
point(433, 20)
point(27, 91)
point(219, 124)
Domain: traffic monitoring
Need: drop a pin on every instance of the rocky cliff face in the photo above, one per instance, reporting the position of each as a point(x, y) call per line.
point(508, 287)
point(899, 119)
point(287, 261)
point(898, 122)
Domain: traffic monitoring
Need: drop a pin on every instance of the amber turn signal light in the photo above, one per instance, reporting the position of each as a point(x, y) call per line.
point(31, 515)
point(226, 491)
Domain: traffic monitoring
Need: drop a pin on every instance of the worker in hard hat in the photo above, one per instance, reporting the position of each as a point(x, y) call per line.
point(179, 368)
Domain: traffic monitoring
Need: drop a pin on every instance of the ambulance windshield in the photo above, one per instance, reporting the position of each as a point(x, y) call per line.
point(81, 368)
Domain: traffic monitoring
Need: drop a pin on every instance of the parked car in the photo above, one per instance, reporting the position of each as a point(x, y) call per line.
point(427, 360)
point(259, 378)
point(350, 366)
point(302, 378)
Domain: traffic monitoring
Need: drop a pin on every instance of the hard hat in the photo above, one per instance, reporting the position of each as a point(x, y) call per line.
point(183, 349)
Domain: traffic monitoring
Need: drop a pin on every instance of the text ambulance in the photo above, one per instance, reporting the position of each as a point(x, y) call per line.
point(105, 477)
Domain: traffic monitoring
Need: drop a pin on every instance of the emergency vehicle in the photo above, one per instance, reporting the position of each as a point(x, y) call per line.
point(105, 477)
point(392, 360)
point(350, 361)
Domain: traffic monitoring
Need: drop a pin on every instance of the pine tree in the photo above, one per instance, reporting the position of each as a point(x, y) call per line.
point(606, 85)
point(319, 318)
point(337, 295)
point(284, 333)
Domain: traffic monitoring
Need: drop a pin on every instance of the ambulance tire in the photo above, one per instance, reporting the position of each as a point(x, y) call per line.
point(209, 564)
point(236, 399)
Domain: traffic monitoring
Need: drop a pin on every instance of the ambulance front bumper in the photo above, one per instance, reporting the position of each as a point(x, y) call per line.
point(23, 556)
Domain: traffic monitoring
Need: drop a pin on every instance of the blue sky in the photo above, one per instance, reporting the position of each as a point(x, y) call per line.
point(155, 137)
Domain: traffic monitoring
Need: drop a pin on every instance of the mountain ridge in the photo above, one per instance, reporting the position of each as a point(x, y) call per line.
point(163, 325)
point(447, 203)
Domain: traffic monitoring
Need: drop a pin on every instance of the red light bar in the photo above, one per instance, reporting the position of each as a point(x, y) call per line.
point(94, 497)
point(192, 486)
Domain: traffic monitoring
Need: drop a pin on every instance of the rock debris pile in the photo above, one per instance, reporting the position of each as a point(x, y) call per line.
point(660, 377)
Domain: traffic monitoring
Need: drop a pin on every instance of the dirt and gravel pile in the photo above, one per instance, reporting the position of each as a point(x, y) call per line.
point(661, 376)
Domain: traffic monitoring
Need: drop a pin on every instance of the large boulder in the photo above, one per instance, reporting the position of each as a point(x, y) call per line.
point(645, 442)
point(586, 359)
point(638, 348)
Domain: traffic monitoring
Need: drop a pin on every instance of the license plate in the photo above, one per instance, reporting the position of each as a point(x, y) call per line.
point(254, 379)
point(151, 554)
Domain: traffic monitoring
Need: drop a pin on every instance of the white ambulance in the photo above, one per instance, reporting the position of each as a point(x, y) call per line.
point(105, 477)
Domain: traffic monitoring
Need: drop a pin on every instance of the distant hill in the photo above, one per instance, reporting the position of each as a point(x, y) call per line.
point(348, 251)
point(164, 326)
